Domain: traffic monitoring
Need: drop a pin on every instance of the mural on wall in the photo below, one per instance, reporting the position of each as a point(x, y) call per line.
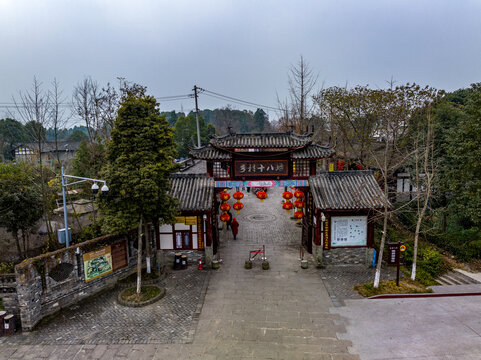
point(97, 263)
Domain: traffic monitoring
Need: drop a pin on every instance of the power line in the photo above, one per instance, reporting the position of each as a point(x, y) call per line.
point(243, 102)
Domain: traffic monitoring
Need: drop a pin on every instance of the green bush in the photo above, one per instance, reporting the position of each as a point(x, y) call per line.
point(7, 267)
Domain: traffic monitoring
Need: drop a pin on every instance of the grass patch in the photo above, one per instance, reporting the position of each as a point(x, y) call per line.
point(146, 293)
point(132, 278)
point(406, 286)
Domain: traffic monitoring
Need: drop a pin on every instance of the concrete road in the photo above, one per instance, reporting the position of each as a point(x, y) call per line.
point(417, 328)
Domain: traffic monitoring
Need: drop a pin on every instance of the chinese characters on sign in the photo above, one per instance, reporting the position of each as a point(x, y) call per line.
point(349, 231)
point(261, 168)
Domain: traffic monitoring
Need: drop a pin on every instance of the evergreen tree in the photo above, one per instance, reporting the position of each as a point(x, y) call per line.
point(140, 159)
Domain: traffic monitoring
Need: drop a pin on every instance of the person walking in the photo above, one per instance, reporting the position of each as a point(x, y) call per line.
point(234, 227)
point(230, 219)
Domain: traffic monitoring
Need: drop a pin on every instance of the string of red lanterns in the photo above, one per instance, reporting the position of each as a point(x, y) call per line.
point(287, 205)
point(299, 204)
point(224, 196)
point(238, 206)
point(261, 195)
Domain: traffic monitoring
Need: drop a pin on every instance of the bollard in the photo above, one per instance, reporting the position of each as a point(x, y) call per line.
point(9, 325)
point(2, 316)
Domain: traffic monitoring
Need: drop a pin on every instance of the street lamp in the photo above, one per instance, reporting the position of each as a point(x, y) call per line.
point(95, 189)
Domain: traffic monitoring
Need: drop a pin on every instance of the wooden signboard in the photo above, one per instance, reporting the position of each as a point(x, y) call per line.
point(119, 255)
point(257, 168)
point(191, 220)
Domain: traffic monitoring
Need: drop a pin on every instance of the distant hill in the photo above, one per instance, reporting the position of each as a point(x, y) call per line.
point(241, 121)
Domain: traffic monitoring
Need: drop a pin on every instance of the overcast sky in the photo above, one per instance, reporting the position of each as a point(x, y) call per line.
point(238, 48)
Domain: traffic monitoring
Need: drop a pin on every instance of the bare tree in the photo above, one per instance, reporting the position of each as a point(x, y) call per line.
point(423, 183)
point(58, 119)
point(34, 107)
point(302, 80)
point(397, 104)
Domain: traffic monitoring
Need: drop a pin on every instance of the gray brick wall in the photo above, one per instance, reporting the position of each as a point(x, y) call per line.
point(42, 292)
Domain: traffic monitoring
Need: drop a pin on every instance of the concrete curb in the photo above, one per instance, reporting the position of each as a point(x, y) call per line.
point(140, 304)
point(422, 295)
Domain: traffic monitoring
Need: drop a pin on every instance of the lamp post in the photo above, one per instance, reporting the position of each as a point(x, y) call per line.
point(95, 190)
point(323, 218)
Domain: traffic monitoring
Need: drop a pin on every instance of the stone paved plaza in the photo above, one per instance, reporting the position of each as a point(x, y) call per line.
point(101, 320)
point(231, 313)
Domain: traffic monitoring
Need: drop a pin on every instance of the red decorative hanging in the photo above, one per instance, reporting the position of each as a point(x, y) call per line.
point(287, 206)
point(299, 204)
point(224, 218)
point(299, 194)
point(238, 196)
point(224, 196)
point(224, 207)
point(287, 195)
point(238, 206)
point(261, 195)
point(298, 215)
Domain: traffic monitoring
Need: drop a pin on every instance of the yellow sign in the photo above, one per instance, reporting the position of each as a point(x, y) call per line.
point(191, 220)
point(97, 263)
point(180, 219)
point(331, 166)
point(403, 248)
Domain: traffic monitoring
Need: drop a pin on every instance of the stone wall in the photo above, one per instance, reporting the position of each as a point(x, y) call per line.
point(8, 293)
point(347, 256)
point(55, 280)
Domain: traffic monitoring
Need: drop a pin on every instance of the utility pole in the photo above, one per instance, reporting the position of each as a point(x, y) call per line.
point(197, 116)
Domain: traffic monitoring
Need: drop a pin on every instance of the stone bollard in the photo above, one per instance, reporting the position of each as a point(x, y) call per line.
point(265, 265)
point(248, 264)
point(2, 316)
point(304, 264)
point(215, 264)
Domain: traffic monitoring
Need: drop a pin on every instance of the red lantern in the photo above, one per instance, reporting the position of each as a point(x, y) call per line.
point(261, 195)
point(225, 207)
point(298, 215)
point(224, 218)
point(287, 195)
point(224, 196)
point(287, 206)
point(299, 194)
point(238, 206)
point(238, 196)
point(299, 204)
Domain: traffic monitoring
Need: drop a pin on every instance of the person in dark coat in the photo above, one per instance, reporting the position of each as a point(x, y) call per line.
point(228, 222)
point(235, 227)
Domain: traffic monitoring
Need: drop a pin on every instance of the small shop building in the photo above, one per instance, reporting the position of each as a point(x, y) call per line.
point(345, 205)
point(192, 229)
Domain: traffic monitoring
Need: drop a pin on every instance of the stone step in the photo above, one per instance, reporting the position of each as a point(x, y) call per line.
point(455, 278)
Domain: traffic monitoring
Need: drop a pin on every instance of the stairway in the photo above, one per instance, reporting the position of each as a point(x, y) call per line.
point(455, 278)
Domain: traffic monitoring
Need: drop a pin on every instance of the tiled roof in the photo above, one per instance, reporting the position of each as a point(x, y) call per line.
point(50, 146)
point(208, 152)
point(313, 151)
point(346, 190)
point(194, 191)
point(262, 140)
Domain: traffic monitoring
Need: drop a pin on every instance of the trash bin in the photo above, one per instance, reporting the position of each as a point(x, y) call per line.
point(177, 265)
point(183, 261)
point(2, 316)
point(9, 325)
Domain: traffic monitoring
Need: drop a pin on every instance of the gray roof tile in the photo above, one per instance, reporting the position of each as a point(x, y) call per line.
point(194, 191)
point(262, 140)
point(346, 190)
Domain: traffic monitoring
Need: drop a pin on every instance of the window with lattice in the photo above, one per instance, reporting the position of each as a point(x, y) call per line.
point(300, 168)
point(221, 170)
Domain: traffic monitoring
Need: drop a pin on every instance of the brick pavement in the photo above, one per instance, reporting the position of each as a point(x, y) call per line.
point(101, 320)
point(281, 313)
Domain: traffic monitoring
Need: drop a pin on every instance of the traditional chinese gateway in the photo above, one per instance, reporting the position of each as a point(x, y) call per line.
point(339, 205)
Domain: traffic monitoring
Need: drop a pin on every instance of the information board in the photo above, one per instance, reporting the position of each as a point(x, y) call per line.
point(97, 263)
point(348, 231)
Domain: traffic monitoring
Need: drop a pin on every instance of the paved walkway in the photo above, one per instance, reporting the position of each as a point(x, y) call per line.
point(421, 328)
point(281, 313)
